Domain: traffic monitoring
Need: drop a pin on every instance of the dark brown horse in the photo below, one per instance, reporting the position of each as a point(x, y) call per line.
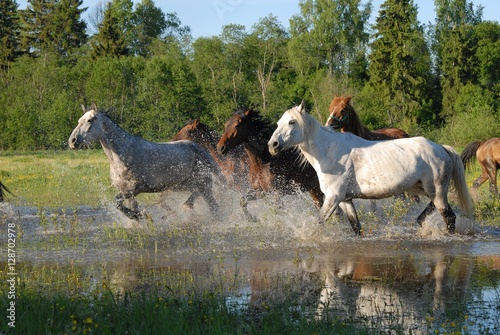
point(343, 117)
point(267, 173)
point(488, 155)
point(234, 166)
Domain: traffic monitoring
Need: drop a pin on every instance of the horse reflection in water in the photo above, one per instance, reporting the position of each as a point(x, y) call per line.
point(351, 167)
point(487, 154)
point(139, 166)
point(397, 293)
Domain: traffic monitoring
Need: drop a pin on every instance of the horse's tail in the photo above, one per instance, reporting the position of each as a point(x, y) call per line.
point(2, 188)
point(459, 182)
point(470, 152)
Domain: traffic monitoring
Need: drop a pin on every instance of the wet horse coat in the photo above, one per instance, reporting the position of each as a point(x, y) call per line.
point(282, 174)
point(234, 165)
point(488, 155)
point(140, 166)
point(350, 167)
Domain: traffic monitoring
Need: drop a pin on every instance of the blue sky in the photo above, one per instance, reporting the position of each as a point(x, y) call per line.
point(207, 17)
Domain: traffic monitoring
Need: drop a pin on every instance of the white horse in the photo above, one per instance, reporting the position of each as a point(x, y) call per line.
point(139, 166)
point(350, 167)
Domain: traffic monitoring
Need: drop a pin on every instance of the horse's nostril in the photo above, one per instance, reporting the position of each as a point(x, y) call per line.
point(73, 140)
point(275, 144)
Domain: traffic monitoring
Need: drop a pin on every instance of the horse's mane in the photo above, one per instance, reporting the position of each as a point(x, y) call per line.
point(309, 124)
point(254, 116)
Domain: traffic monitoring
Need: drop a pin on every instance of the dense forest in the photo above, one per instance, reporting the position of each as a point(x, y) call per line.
point(438, 80)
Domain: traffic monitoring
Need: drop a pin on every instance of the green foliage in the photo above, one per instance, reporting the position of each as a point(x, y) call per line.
point(111, 38)
point(476, 115)
point(9, 33)
point(400, 63)
point(145, 69)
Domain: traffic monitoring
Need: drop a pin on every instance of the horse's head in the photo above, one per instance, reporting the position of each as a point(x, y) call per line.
point(237, 129)
point(338, 113)
point(290, 131)
point(86, 131)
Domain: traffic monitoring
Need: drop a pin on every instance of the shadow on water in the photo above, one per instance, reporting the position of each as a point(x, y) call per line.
point(398, 277)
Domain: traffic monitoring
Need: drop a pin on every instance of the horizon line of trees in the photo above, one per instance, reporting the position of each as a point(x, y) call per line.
point(439, 80)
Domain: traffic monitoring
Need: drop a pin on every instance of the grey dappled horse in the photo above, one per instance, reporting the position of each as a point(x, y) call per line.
point(140, 166)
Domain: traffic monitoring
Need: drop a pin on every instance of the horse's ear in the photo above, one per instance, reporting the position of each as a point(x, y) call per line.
point(83, 109)
point(196, 122)
point(94, 107)
point(302, 106)
point(347, 99)
point(248, 111)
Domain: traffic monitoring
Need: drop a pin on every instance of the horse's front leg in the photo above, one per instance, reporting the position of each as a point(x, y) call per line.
point(189, 203)
point(133, 212)
point(349, 210)
point(330, 204)
point(250, 195)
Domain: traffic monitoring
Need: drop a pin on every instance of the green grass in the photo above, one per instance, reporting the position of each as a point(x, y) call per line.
point(52, 299)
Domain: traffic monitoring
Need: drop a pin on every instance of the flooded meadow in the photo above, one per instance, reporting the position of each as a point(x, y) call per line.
point(397, 278)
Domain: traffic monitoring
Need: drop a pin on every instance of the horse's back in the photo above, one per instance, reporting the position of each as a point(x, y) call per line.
point(489, 150)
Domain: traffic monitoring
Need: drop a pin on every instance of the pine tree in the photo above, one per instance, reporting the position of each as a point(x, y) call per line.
point(455, 47)
point(9, 33)
point(400, 61)
point(69, 28)
point(53, 25)
point(110, 40)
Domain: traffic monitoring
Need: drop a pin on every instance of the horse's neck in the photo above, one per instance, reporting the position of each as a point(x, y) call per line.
point(116, 141)
point(317, 146)
point(257, 144)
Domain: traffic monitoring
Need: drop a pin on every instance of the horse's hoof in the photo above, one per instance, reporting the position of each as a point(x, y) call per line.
point(251, 218)
point(188, 207)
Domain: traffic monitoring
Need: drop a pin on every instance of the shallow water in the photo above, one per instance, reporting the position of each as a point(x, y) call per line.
point(397, 277)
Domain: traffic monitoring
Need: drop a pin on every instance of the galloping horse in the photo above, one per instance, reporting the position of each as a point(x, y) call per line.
point(282, 173)
point(343, 117)
point(350, 167)
point(139, 166)
point(234, 166)
point(488, 155)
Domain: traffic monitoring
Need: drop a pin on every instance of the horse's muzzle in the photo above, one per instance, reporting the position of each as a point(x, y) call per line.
point(222, 150)
point(73, 142)
point(274, 147)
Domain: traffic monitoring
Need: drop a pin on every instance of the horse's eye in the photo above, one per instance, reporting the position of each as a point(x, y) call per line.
point(291, 122)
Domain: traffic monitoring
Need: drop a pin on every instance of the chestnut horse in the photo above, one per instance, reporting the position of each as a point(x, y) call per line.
point(488, 155)
point(283, 173)
point(343, 117)
point(234, 166)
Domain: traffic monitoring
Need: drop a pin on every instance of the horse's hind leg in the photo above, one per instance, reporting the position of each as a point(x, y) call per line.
point(492, 175)
point(449, 218)
point(428, 210)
